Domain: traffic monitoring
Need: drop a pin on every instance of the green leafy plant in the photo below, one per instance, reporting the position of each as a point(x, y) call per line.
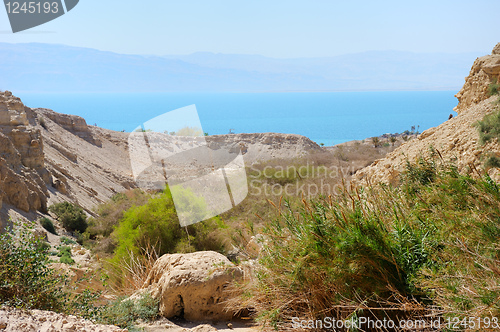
point(71, 216)
point(48, 225)
point(124, 312)
point(492, 162)
point(67, 240)
point(493, 87)
point(65, 255)
point(155, 225)
point(28, 281)
point(489, 127)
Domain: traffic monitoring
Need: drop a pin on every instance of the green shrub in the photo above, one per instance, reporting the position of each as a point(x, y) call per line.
point(48, 225)
point(27, 280)
point(67, 240)
point(493, 88)
point(110, 213)
point(64, 250)
point(125, 312)
point(66, 260)
point(72, 217)
point(44, 246)
point(489, 127)
point(155, 226)
point(492, 162)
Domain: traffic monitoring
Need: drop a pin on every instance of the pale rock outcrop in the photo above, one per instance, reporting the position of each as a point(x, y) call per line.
point(72, 123)
point(192, 286)
point(264, 146)
point(16, 320)
point(23, 176)
point(484, 71)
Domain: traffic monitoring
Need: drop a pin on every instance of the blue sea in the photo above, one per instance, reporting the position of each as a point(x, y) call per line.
point(325, 117)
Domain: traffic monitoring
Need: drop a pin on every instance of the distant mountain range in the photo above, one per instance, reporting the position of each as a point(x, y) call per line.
point(37, 67)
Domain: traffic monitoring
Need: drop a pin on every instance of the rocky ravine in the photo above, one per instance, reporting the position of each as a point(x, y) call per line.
point(48, 157)
point(456, 139)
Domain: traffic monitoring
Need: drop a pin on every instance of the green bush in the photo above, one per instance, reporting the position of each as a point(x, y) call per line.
point(489, 127)
point(27, 281)
point(111, 212)
point(492, 162)
point(67, 240)
point(493, 88)
point(64, 252)
point(155, 226)
point(125, 312)
point(66, 260)
point(72, 217)
point(48, 225)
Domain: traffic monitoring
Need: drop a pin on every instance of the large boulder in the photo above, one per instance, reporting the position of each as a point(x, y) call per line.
point(191, 286)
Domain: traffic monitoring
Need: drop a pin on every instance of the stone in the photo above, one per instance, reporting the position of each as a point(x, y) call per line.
point(22, 162)
point(484, 71)
point(496, 49)
point(191, 286)
point(204, 328)
point(47, 321)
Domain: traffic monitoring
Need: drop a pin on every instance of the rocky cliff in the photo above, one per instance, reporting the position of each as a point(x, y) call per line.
point(456, 139)
point(23, 175)
point(484, 71)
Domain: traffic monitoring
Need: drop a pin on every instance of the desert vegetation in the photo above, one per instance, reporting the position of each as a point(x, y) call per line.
point(72, 217)
point(427, 248)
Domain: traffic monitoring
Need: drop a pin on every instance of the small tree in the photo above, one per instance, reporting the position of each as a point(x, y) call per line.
point(71, 216)
point(393, 140)
point(376, 141)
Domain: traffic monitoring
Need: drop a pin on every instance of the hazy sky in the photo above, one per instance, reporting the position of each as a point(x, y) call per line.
point(275, 28)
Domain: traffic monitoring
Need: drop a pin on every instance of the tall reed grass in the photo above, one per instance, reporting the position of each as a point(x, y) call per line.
point(425, 249)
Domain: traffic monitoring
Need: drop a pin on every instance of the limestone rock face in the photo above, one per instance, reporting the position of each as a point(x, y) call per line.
point(484, 71)
point(192, 285)
point(15, 320)
point(72, 123)
point(23, 176)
